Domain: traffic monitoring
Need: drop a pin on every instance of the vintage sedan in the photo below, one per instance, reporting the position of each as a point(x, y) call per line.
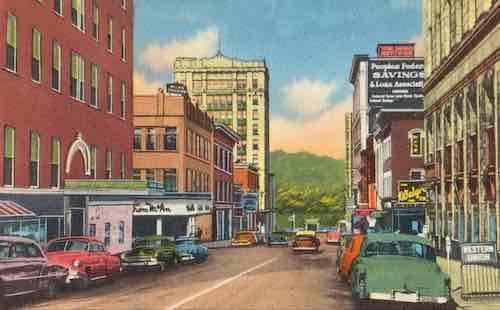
point(86, 259)
point(154, 252)
point(25, 269)
point(277, 238)
point(333, 236)
point(397, 268)
point(190, 250)
point(244, 238)
point(306, 241)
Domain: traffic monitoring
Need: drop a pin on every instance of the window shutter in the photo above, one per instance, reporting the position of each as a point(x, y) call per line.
point(12, 31)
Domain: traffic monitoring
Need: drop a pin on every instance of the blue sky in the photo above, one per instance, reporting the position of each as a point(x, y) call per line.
point(308, 46)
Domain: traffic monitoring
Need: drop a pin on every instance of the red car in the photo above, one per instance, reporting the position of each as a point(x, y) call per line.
point(333, 236)
point(86, 259)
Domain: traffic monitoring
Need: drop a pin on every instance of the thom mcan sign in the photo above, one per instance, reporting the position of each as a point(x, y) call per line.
point(412, 192)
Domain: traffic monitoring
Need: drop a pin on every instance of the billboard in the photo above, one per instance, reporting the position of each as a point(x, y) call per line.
point(396, 83)
point(396, 50)
point(412, 192)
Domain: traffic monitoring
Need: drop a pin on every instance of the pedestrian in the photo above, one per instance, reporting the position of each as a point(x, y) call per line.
point(199, 233)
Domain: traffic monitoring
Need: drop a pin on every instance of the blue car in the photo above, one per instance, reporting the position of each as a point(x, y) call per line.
point(190, 250)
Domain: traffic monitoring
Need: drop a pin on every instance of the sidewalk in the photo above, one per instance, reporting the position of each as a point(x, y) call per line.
point(473, 303)
point(218, 244)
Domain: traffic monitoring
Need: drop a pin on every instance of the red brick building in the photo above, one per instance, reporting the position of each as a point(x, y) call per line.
point(224, 141)
point(246, 176)
point(65, 104)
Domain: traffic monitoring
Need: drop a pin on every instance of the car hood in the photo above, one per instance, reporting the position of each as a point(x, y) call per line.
point(386, 273)
point(143, 251)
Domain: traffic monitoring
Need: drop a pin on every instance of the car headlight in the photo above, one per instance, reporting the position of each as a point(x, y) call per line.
point(154, 260)
point(76, 263)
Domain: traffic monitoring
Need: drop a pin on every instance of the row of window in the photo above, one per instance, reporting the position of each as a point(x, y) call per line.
point(155, 139)
point(77, 69)
point(197, 181)
point(197, 145)
point(166, 176)
point(224, 191)
point(223, 158)
point(108, 232)
point(240, 84)
point(9, 160)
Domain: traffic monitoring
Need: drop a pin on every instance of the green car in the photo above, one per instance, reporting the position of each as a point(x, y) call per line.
point(151, 252)
point(398, 268)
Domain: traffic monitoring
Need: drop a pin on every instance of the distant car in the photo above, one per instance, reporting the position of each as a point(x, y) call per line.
point(244, 238)
point(277, 238)
point(306, 241)
point(397, 268)
point(190, 250)
point(25, 269)
point(86, 259)
point(333, 236)
point(151, 252)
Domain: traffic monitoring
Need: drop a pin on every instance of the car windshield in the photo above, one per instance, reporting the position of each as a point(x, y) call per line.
point(399, 248)
point(4, 249)
point(153, 243)
point(57, 246)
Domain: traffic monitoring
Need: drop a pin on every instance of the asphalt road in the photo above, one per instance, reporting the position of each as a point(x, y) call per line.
point(234, 278)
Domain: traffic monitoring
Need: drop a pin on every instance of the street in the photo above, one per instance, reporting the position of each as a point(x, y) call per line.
point(234, 278)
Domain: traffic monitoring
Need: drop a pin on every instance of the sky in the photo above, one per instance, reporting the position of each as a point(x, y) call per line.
point(307, 45)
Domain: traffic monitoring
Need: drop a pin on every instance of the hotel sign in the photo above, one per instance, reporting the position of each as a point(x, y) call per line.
point(396, 83)
point(479, 254)
point(412, 192)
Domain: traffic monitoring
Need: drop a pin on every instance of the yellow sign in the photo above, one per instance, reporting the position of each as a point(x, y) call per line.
point(412, 192)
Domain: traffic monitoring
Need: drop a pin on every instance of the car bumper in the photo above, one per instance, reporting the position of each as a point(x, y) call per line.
point(187, 258)
point(277, 243)
point(241, 244)
point(305, 248)
point(140, 264)
point(73, 275)
point(333, 241)
point(412, 298)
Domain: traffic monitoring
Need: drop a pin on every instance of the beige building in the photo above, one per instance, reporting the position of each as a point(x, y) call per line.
point(236, 93)
point(462, 93)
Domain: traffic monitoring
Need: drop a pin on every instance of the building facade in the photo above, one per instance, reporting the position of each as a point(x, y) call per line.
point(236, 93)
point(173, 146)
point(65, 105)
point(225, 140)
point(462, 120)
point(246, 176)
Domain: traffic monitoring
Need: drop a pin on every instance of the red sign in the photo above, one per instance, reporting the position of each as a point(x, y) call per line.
point(396, 50)
point(363, 212)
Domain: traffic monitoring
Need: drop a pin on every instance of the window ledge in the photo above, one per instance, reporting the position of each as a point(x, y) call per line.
point(57, 91)
point(58, 14)
point(11, 71)
point(123, 60)
point(95, 107)
point(79, 29)
point(36, 82)
point(78, 100)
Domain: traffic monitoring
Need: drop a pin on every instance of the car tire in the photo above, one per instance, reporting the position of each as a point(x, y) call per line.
point(83, 283)
point(162, 267)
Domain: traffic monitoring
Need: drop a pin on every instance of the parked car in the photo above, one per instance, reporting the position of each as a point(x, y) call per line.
point(277, 238)
point(25, 269)
point(397, 268)
point(190, 250)
point(333, 236)
point(244, 238)
point(151, 252)
point(85, 258)
point(306, 241)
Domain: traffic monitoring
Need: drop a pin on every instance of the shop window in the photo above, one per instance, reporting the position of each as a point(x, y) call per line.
point(78, 14)
point(137, 139)
point(77, 78)
point(417, 174)
point(170, 180)
point(150, 139)
point(92, 230)
point(56, 66)
point(110, 34)
point(95, 20)
point(36, 60)
point(58, 7)
point(34, 159)
point(109, 165)
point(9, 156)
point(11, 52)
point(170, 139)
point(93, 162)
point(107, 234)
point(136, 174)
point(94, 86)
point(110, 94)
point(121, 232)
point(123, 97)
point(55, 163)
point(150, 175)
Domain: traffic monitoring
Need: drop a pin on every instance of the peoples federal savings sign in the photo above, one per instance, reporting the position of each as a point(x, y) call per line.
point(396, 83)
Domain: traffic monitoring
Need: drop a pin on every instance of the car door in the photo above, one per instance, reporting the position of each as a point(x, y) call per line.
point(30, 262)
point(98, 258)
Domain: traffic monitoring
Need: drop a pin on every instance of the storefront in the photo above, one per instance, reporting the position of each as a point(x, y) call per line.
point(250, 201)
point(182, 214)
point(223, 217)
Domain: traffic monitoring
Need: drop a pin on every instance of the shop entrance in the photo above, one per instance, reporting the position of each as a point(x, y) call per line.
point(408, 221)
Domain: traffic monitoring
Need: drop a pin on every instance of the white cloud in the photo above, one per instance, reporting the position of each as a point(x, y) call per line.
point(143, 86)
point(159, 58)
point(323, 135)
point(419, 44)
point(307, 97)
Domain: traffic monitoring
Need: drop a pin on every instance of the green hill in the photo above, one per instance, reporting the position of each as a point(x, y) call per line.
point(308, 186)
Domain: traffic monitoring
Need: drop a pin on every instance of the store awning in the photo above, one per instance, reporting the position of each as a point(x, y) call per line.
point(11, 209)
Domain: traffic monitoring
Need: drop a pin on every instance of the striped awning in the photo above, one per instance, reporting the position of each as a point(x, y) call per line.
point(11, 209)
